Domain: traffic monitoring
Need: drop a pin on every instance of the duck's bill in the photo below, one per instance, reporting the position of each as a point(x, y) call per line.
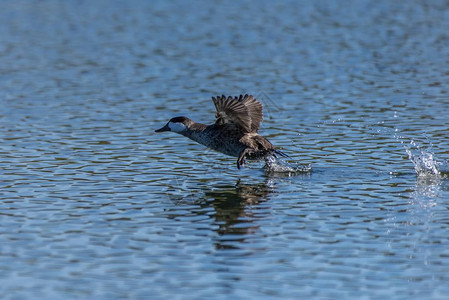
point(165, 128)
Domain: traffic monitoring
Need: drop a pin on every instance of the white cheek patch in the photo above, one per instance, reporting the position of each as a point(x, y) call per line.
point(176, 127)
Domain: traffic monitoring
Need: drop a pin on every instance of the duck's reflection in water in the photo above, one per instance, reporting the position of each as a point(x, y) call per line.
point(236, 209)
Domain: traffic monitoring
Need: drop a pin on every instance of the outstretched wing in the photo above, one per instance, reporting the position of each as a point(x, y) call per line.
point(255, 111)
point(243, 111)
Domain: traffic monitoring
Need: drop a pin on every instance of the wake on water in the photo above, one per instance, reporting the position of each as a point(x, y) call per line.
point(421, 155)
point(423, 158)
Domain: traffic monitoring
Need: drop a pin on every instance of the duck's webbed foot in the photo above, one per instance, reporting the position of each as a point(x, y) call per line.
point(242, 158)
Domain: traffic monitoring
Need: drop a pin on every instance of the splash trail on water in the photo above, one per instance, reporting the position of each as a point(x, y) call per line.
point(280, 165)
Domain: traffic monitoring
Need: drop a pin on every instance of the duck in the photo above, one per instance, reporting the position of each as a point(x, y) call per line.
point(235, 131)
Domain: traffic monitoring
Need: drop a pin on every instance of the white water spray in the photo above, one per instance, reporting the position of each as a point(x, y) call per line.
point(279, 165)
point(424, 160)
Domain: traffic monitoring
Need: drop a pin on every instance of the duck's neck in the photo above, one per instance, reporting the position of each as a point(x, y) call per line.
point(196, 132)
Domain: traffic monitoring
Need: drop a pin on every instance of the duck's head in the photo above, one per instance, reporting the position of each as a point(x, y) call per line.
point(178, 124)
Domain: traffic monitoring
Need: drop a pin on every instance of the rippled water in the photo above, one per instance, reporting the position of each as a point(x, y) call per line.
point(94, 204)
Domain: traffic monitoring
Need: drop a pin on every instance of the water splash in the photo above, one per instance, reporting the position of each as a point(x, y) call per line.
point(280, 165)
point(424, 161)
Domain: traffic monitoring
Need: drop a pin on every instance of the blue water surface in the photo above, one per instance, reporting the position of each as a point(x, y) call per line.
point(95, 205)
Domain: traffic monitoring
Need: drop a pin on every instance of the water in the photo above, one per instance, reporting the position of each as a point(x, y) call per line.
point(95, 205)
point(424, 161)
point(276, 165)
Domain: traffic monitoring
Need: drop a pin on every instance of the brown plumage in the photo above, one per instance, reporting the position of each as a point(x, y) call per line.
point(244, 111)
point(234, 132)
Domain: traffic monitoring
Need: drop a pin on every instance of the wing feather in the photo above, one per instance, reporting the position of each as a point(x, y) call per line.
point(242, 111)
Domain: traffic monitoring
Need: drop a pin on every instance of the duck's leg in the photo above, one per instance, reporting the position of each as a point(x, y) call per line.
point(242, 156)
